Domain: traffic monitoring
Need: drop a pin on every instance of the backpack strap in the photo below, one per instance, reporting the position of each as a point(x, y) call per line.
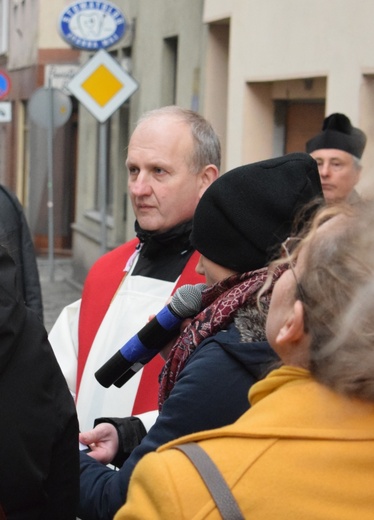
point(213, 480)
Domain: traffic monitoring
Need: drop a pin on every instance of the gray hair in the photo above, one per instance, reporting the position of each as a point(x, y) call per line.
point(353, 348)
point(338, 283)
point(207, 147)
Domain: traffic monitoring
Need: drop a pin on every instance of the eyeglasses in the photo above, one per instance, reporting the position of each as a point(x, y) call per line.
point(288, 248)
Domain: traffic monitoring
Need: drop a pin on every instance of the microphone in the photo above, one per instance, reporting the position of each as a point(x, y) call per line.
point(148, 342)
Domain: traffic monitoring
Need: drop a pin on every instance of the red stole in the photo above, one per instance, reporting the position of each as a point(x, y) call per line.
point(99, 289)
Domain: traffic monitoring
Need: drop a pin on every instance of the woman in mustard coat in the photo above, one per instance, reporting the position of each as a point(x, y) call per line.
point(305, 449)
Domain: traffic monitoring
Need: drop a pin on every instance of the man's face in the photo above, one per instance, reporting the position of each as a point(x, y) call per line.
point(338, 171)
point(163, 190)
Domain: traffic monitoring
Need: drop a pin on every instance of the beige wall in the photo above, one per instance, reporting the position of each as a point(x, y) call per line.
point(33, 26)
point(23, 33)
point(48, 36)
point(156, 21)
point(277, 40)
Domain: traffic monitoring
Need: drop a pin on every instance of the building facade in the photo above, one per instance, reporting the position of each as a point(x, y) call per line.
point(265, 73)
point(32, 53)
point(282, 67)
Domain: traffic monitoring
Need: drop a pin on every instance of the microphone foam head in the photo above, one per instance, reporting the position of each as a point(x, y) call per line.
point(187, 300)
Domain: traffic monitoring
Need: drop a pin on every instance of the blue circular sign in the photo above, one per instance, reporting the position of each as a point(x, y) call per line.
point(92, 26)
point(4, 84)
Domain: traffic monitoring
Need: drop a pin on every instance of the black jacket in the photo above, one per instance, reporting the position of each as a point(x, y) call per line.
point(39, 463)
point(16, 238)
point(211, 391)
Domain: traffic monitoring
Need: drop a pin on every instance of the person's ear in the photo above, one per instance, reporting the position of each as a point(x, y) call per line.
point(293, 329)
point(209, 174)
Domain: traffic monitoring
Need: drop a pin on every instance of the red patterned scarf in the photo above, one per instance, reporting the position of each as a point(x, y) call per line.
point(220, 302)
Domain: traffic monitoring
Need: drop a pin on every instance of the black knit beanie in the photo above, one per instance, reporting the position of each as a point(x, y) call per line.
point(337, 132)
point(250, 210)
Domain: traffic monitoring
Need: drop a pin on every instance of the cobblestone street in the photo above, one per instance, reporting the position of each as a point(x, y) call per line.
point(59, 292)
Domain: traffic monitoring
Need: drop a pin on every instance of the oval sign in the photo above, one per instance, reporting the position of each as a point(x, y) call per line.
point(49, 108)
point(92, 26)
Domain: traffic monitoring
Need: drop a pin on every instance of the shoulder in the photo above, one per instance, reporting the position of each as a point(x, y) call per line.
point(5, 192)
point(113, 260)
point(218, 344)
point(8, 200)
point(120, 253)
point(225, 353)
point(213, 359)
point(105, 275)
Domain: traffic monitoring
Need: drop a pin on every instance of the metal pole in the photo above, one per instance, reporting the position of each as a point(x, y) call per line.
point(50, 185)
point(102, 184)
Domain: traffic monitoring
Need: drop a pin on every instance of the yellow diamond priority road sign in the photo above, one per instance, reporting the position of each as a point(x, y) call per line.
point(102, 85)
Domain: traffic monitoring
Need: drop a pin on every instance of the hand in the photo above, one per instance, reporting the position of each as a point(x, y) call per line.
point(103, 441)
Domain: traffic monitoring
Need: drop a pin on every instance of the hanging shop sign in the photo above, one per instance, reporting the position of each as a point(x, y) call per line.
point(92, 26)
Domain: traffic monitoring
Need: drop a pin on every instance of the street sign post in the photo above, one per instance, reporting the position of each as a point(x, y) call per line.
point(50, 108)
point(102, 86)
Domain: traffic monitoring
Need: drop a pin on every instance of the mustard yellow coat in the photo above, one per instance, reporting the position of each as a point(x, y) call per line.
point(301, 452)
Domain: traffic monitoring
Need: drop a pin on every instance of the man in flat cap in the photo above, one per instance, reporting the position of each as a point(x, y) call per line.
point(338, 150)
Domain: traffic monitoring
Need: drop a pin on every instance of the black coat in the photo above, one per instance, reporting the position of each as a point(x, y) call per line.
point(39, 463)
point(16, 238)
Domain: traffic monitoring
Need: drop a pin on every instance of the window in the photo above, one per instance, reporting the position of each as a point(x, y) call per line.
point(169, 67)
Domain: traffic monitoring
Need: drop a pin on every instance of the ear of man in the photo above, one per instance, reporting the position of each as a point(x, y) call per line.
point(209, 174)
